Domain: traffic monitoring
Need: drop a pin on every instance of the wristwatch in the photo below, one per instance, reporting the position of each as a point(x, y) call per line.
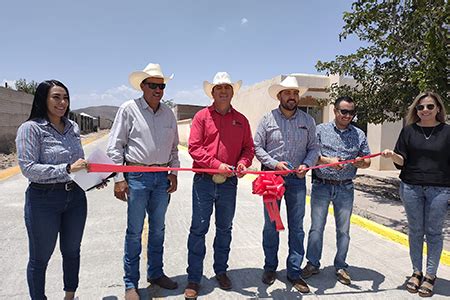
point(68, 168)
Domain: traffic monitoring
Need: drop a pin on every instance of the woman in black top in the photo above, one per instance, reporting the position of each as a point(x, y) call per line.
point(422, 154)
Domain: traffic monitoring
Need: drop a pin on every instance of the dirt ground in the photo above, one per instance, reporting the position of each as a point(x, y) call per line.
point(383, 187)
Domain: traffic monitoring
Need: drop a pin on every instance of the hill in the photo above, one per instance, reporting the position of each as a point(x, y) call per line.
point(104, 111)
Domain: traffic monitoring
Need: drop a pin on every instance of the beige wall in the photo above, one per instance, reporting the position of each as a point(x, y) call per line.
point(15, 108)
point(254, 101)
point(184, 127)
point(380, 137)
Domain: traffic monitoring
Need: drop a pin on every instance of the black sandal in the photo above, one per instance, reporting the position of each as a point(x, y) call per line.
point(411, 285)
point(427, 291)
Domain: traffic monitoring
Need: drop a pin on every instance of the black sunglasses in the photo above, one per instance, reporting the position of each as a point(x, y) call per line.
point(428, 106)
point(153, 86)
point(347, 112)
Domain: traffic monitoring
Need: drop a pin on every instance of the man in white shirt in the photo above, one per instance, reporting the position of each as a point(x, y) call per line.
point(145, 134)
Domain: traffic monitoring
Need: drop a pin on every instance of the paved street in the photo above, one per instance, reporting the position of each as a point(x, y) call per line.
point(378, 266)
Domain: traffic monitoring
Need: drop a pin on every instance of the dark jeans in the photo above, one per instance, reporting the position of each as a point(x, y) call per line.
point(47, 213)
point(294, 197)
point(205, 195)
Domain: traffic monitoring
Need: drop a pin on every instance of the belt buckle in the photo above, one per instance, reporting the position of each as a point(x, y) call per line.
point(219, 178)
point(68, 186)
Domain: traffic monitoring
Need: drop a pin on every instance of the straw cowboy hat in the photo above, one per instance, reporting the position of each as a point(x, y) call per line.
point(220, 78)
point(151, 70)
point(289, 83)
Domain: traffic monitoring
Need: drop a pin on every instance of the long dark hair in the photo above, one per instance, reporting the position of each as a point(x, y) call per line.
point(39, 109)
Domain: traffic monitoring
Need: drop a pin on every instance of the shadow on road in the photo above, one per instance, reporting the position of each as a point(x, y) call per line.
point(441, 286)
point(326, 279)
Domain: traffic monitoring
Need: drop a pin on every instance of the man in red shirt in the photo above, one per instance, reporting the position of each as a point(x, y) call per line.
point(220, 138)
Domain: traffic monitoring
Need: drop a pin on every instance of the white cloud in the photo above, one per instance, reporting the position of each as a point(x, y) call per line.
point(118, 95)
point(222, 28)
point(244, 21)
point(11, 83)
point(195, 96)
point(114, 96)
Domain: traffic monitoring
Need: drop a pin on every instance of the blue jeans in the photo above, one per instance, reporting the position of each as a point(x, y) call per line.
point(47, 213)
point(426, 209)
point(205, 195)
point(147, 193)
point(294, 197)
point(342, 198)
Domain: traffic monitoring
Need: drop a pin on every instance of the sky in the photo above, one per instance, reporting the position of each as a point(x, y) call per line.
point(92, 46)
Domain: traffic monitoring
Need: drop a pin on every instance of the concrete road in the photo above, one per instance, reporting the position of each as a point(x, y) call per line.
point(379, 267)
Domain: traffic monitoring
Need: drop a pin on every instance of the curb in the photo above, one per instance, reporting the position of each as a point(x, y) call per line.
point(6, 173)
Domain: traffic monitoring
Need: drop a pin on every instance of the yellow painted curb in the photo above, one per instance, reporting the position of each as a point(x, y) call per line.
point(6, 173)
point(93, 138)
point(182, 148)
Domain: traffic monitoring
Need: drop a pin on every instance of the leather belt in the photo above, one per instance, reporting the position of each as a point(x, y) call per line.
point(216, 178)
point(333, 182)
point(68, 186)
point(129, 163)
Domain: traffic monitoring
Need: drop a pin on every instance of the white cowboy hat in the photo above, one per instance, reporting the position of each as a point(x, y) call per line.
point(289, 83)
point(220, 78)
point(151, 70)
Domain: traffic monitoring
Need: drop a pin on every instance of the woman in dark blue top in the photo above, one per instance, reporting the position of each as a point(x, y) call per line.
point(49, 149)
point(422, 153)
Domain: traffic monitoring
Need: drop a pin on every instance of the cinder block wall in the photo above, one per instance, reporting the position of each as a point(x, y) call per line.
point(15, 108)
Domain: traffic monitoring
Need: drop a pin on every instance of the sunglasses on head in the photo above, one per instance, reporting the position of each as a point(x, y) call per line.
point(153, 86)
point(428, 106)
point(347, 112)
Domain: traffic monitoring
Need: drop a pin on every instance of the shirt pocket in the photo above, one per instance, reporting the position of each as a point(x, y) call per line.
point(274, 133)
point(52, 150)
point(299, 135)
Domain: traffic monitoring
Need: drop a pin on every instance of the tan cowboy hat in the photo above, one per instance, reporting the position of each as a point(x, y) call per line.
point(151, 70)
point(220, 78)
point(289, 83)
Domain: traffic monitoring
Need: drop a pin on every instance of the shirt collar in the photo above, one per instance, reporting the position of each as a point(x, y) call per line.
point(211, 109)
point(349, 127)
point(67, 123)
point(294, 116)
point(144, 105)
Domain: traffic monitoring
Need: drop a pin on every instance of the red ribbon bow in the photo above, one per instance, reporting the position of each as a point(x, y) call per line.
point(271, 187)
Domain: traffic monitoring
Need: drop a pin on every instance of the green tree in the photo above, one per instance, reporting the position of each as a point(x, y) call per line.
point(27, 87)
point(405, 53)
point(168, 102)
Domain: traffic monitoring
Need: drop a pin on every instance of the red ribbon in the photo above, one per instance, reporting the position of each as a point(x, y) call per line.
point(271, 188)
point(100, 168)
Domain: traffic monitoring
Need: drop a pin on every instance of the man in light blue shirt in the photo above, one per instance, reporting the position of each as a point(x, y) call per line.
point(286, 139)
point(338, 140)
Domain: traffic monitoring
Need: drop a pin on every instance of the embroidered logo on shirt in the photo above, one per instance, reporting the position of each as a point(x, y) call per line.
point(235, 122)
